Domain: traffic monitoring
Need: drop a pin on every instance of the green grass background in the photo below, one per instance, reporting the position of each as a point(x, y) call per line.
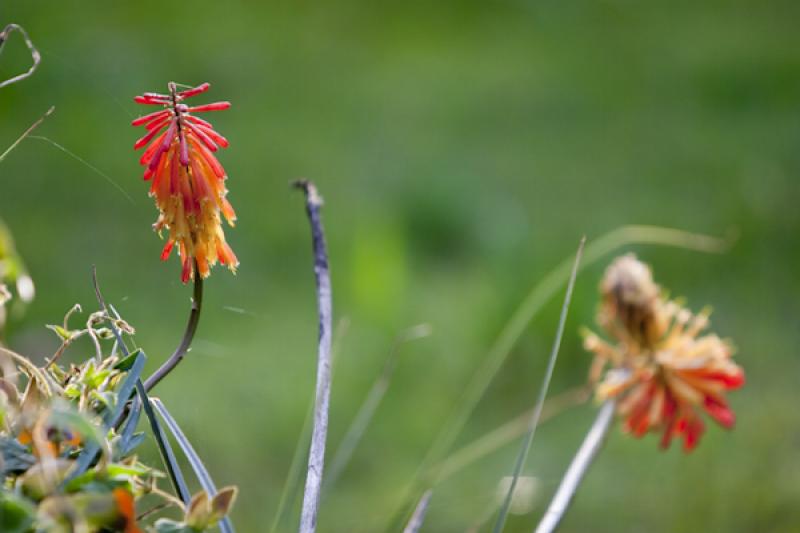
point(462, 149)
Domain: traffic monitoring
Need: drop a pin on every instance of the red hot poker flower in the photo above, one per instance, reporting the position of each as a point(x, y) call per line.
point(664, 369)
point(188, 182)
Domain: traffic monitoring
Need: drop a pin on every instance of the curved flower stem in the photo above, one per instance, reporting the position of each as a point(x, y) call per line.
point(577, 469)
point(183, 348)
point(316, 455)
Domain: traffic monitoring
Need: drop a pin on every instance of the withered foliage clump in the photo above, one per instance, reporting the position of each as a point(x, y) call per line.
point(68, 442)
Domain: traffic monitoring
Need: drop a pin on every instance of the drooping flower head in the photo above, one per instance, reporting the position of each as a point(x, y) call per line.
point(188, 182)
point(662, 369)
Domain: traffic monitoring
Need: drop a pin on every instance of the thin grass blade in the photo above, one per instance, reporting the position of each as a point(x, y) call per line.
point(508, 432)
point(294, 476)
point(27, 132)
point(370, 405)
point(537, 411)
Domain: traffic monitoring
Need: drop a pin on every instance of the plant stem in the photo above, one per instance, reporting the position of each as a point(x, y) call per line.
point(294, 475)
point(577, 469)
point(418, 517)
point(537, 411)
point(27, 132)
point(316, 455)
point(183, 348)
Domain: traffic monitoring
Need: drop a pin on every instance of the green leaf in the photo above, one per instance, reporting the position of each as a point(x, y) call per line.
point(127, 387)
point(65, 334)
point(164, 525)
point(106, 399)
point(16, 513)
point(95, 379)
point(168, 456)
point(126, 446)
point(120, 470)
point(126, 363)
point(91, 480)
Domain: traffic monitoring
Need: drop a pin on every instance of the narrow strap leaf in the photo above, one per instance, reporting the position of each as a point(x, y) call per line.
point(199, 468)
point(132, 421)
point(173, 469)
point(126, 390)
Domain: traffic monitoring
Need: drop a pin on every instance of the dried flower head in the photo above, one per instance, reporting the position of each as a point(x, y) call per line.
point(188, 182)
point(663, 369)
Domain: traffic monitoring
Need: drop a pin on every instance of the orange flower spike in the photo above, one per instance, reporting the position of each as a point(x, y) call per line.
point(187, 179)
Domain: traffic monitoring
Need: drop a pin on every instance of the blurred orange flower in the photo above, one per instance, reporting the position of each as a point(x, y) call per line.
point(126, 509)
point(663, 369)
point(188, 182)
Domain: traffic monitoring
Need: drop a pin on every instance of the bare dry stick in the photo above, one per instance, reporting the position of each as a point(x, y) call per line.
point(537, 411)
point(34, 52)
point(293, 476)
point(186, 342)
point(316, 455)
point(418, 517)
point(577, 469)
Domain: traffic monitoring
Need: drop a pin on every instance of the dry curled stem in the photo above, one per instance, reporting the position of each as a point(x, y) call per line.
point(35, 56)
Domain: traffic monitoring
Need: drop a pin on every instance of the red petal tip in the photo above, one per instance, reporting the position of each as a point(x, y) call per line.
point(203, 87)
point(216, 106)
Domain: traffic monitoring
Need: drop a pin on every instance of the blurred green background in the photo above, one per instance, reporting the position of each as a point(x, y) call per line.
point(462, 149)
